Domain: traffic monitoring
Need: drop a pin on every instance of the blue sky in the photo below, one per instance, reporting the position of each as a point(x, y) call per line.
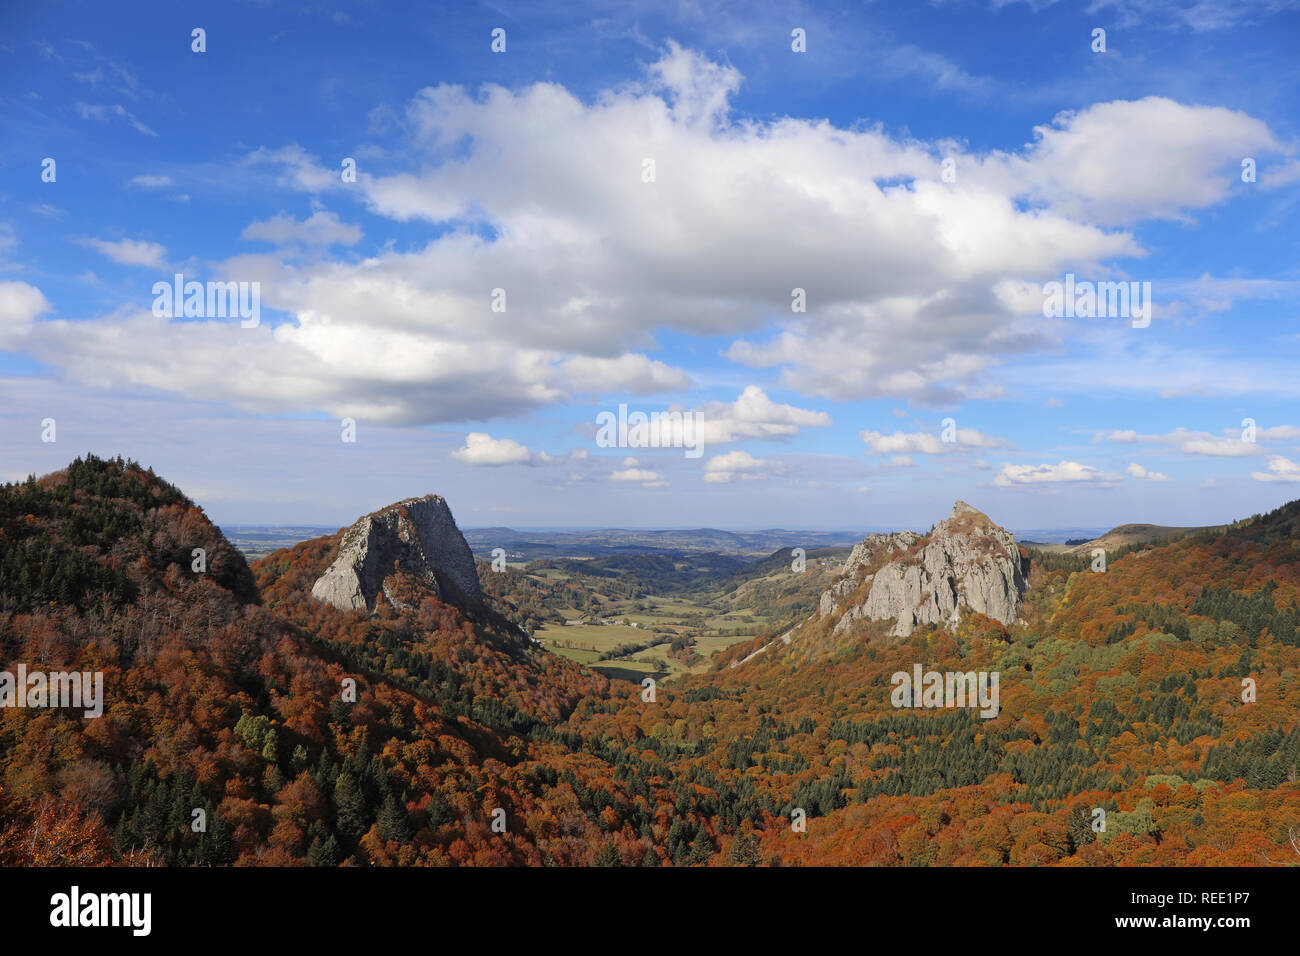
point(773, 170)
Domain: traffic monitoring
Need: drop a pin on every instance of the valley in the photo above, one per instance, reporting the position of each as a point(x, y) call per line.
point(658, 616)
point(375, 696)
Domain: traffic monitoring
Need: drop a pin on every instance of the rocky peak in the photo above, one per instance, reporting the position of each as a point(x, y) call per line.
point(417, 536)
point(966, 561)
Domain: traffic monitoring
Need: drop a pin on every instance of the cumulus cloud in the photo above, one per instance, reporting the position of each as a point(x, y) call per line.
point(1128, 160)
point(20, 304)
point(1137, 471)
point(1279, 469)
point(1065, 472)
point(596, 263)
point(648, 478)
point(923, 443)
point(735, 464)
point(753, 415)
point(482, 449)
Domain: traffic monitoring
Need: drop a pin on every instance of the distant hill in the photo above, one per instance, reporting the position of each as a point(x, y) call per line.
point(1128, 534)
point(606, 542)
point(257, 541)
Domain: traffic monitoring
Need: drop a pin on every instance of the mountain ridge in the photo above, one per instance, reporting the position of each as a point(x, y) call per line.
point(1122, 690)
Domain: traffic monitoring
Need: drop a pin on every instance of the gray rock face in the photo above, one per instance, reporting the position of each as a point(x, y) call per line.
point(966, 561)
point(863, 553)
point(418, 536)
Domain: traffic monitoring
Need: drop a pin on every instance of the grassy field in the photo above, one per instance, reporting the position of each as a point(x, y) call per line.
point(585, 643)
point(707, 616)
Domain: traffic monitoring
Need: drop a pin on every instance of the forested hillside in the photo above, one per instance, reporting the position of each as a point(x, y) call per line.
point(1163, 691)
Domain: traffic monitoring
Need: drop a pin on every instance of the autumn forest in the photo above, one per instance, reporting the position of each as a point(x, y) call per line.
point(1163, 693)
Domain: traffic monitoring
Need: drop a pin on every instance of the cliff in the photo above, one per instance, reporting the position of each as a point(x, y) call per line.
point(967, 560)
point(417, 536)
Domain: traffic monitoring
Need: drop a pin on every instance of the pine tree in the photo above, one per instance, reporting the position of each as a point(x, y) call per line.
point(323, 852)
point(701, 849)
point(744, 849)
point(608, 856)
point(350, 808)
point(393, 822)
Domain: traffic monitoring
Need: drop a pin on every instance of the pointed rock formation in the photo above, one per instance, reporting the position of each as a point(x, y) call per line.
point(966, 560)
point(417, 536)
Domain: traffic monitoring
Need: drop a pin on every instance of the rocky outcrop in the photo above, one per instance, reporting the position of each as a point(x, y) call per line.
point(417, 536)
point(967, 560)
point(863, 555)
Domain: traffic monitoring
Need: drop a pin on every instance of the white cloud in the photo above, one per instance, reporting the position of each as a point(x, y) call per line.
point(131, 252)
point(1200, 443)
point(1061, 473)
point(753, 415)
point(1128, 160)
point(1218, 447)
point(924, 443)
point(150, 182)
point(482, 449)
point(320, 229)
point(20, 304)
point(735, 464)
point(1277, 433)
point(597, 263)
point(1279, 469)
point(1137, 471)
point(650, 479)
point(628, 373)
point(300, 170)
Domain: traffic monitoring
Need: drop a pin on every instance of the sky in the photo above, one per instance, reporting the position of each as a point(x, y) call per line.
point(823, 235)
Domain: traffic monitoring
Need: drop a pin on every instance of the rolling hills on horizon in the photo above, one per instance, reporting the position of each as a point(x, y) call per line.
point(527, 544)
